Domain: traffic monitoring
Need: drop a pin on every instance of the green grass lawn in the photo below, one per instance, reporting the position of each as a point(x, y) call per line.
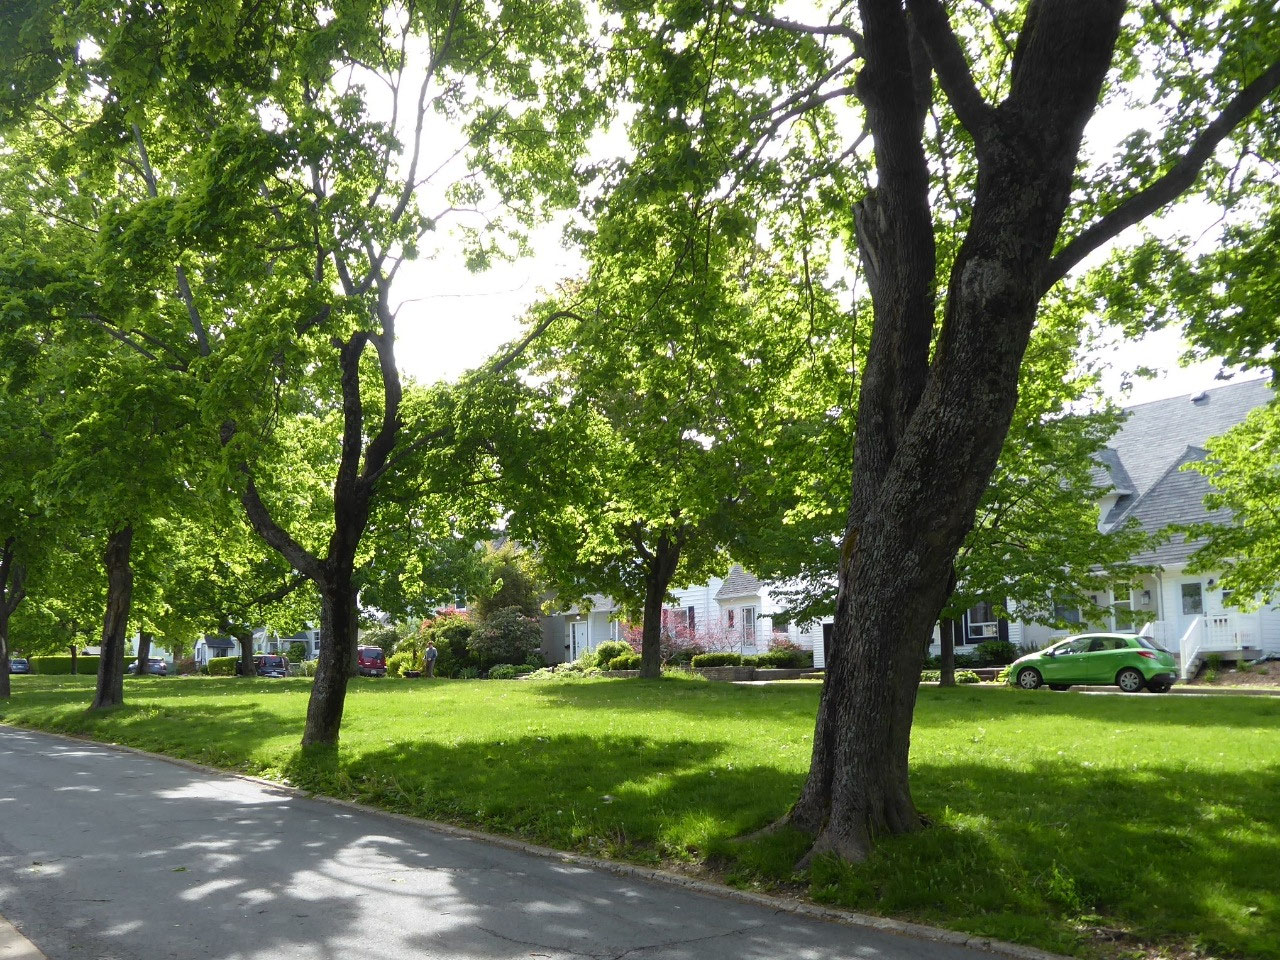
point(1100, 826)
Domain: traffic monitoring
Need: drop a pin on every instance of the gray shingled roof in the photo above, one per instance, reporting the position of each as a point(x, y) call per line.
point(1154, 434)
point(1110, 474)
point(1176, 498)
point(739, 583)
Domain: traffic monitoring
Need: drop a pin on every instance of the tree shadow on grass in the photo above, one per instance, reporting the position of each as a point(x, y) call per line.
point(1062, 854)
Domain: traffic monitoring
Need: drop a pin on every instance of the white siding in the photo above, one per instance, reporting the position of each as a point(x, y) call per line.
point(1269, 618)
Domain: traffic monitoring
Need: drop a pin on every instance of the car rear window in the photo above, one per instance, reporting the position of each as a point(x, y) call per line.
point(371, 652)
point(273, 661)
point(1151, 644)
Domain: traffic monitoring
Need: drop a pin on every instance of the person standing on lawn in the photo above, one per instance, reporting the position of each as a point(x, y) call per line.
point(429, 658)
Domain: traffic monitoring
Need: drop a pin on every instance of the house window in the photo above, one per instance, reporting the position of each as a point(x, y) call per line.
point(1066, 614)
point(749, 625)
point(982, 622)
point(1192, 599)
point(731, 612)
point(685, 619)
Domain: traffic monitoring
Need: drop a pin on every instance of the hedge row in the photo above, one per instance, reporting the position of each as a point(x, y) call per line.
point(223, 666)
point(61, 664)
point(792, 659)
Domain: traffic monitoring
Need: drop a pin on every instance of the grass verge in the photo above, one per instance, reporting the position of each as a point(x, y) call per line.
point(1098, 826)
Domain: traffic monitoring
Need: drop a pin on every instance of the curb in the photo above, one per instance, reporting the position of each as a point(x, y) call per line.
point(14, 946)
point(812, 911)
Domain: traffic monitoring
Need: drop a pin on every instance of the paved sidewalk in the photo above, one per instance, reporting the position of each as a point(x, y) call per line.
point(114, 856)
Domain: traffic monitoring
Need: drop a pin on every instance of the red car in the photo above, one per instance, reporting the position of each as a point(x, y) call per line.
point(371, 662)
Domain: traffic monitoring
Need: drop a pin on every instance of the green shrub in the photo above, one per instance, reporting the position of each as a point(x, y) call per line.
point(962, 676)
point(504, 671)
point(308, 668)
point(628, 661)
point(297, 652)
point(450, 633)
point(994, 653)
point(784, 659)
point(469, 673)
point(966, 660)
point(223, 666)
point(400, 663)
point(1213, 661)
point(61, 664)
point(610, 650)
point(505, 636)
point(717, 660)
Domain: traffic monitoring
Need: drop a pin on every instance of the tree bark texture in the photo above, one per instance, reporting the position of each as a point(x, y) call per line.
point(117, 559)
point(339, 636)
point(929, 433)
point(144, 653)
point(13, 589)
point(662, 562)
point(245, 639)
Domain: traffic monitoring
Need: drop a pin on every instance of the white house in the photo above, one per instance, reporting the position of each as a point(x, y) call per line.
point(737, 611)
point(1142, 472)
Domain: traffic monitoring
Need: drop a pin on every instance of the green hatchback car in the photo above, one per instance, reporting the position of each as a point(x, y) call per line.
point(1128, 662)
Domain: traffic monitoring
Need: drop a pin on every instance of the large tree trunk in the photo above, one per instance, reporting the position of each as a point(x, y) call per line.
point(339, 635)
point(929, 434)
point(13, 588)
point(4, 652)
point(662, 567)
point(110, 692)
point(144, 653)
point(245, 639)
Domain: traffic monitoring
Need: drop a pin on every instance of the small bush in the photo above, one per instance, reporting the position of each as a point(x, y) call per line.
point(297, 652)
point(504, 671)
point(307, 668)
point(185, 666)
point(610, 650)
point(781, 658)
point(717, 660)
point(450, 633)
point(1211, 676)
point(1213, 661)
point(995, 653)
point(966, 660)
point(399, 663)
point(962, 676)
point(628, 661)
point(468, 673)
point(223, 666)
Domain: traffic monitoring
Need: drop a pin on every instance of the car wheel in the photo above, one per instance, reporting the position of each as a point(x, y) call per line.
point(1059, 686)
point(1130, 680)
point(1029, 678)
point(1160, 687)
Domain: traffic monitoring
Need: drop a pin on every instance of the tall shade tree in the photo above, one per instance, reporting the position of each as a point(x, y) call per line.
point(972, 194)
point(261, 175)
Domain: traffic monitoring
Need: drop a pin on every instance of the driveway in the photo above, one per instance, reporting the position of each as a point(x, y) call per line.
point(109, 855)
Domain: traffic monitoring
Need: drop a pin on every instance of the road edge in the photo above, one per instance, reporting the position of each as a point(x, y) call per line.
point(801, 908)
point(14, 946)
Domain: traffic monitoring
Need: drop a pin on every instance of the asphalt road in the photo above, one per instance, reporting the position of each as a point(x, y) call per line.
point(108, 855)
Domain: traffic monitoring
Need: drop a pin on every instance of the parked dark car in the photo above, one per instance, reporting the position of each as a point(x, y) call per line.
point(19, 665)
point(271, 665)
point(155, 666)
point(371, 662)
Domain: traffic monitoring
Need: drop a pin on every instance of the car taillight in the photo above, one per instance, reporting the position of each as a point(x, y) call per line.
point(1148, 654)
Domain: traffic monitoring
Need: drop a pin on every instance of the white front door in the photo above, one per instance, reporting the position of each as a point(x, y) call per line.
point(577, 638)
point(1189, 604)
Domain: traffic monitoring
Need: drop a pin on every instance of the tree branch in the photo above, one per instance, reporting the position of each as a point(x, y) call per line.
point(792, 26)
point(302, 560)
point(948, 59)
point(1168, 187)
point(514, 353)
point(184, 287)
